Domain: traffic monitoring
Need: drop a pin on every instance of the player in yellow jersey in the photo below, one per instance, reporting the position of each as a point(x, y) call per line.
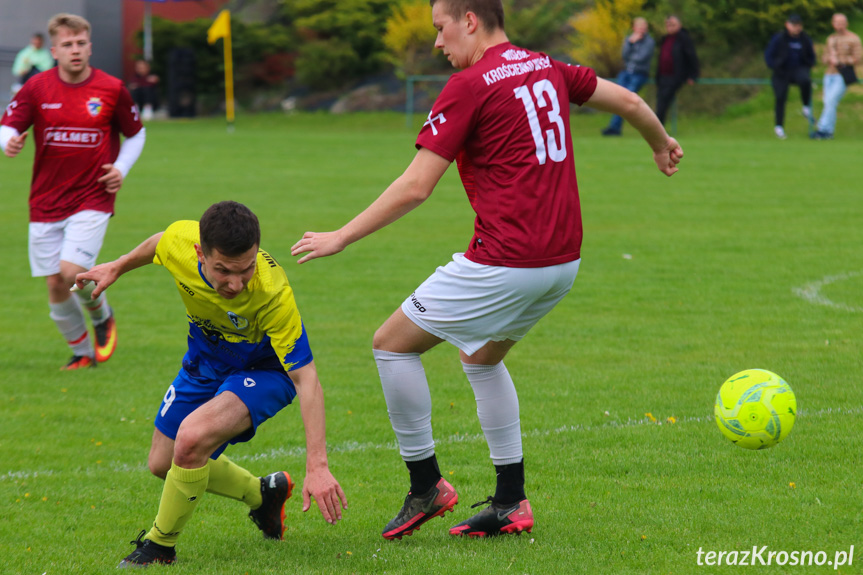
point(248, 358)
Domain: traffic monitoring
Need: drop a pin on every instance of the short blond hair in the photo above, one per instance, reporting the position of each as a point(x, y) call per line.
point(76, 24)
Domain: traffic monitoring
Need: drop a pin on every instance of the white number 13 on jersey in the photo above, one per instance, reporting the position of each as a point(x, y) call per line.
point(552, 145)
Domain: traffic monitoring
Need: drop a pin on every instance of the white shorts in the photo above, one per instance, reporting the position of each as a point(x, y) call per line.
point(77, 240)
point(469, 304)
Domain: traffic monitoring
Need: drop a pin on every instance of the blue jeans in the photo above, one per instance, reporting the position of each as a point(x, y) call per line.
point(633, 83)
point(834, 89)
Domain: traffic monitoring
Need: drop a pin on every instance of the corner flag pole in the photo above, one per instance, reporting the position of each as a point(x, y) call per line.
point(221, 28)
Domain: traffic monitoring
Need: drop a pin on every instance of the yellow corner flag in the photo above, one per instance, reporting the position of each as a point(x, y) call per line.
point(221, 28)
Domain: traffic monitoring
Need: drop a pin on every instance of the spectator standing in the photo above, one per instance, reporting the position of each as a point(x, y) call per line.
point(678, 64)
point(842, 52)
point(31, 60)
point(791, 56)
point(637, 54)
point(144, 88)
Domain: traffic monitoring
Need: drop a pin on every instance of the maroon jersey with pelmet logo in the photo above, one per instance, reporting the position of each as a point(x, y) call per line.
point(76, 128)
point(505, 121)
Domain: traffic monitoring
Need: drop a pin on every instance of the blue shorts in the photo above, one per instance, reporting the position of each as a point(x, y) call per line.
point(264, 392)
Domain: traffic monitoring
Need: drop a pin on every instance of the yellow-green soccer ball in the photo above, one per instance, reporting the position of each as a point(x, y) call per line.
point(755, 409)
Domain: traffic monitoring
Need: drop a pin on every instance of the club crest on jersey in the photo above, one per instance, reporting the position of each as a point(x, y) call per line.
point(239, 321)
point(94, 106)
point(430, 122)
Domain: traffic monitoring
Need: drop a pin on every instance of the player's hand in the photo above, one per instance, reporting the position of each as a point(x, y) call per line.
point(15, 145)
point(112, 179)
point(668, 157)
point(327, 492)
point(317, 245)
point(103, 275)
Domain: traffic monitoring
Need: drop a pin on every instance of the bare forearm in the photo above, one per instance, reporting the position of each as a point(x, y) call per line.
point(643, 119)
point(311, 398)
point(610, 97)
point(140, 256)
point(396, 201)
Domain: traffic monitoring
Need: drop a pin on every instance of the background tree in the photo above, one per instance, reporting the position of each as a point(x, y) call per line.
point(261, 54)
point(342, 40)
point(599, 33)
point(540, 25)
point(410, 38)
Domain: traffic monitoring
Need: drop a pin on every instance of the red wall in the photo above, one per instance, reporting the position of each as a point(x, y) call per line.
point(133, 21)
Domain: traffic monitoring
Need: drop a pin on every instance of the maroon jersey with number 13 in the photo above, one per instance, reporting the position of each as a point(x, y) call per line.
point(505, 121)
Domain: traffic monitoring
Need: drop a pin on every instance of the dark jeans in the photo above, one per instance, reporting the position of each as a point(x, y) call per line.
point(633, 83)
point(666, 89)
point(143, 95)
point(800, 77)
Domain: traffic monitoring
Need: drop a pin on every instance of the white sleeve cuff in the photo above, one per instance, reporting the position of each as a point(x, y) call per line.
point(130, 150)
point(6, 134)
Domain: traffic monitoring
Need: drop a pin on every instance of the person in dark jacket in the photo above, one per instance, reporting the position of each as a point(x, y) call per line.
point(678, 64)
point(791, 56)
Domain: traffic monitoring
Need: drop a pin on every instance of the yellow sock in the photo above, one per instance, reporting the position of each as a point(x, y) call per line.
point(183, 488)
point(230, 480)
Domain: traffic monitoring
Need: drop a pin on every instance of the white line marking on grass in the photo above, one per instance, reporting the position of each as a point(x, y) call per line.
point(355, 446)
point(811, 292)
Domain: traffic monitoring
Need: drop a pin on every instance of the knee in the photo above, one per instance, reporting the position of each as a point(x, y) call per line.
point(378, 340)
point(190, 448)
point(381, 339)
point(58, 287)
point(158, 467)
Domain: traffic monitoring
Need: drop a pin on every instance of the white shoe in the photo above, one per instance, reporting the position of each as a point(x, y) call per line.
point(147, 113)
point(780, 132)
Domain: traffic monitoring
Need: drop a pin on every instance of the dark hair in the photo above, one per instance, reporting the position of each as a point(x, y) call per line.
point(489, 12)
point(39, 35)
point(229, 227)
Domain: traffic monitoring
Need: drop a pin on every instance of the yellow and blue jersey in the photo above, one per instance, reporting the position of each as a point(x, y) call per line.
point(261, 328)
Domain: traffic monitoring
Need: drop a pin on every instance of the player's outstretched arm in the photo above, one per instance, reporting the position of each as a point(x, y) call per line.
point(609, 97)
point(106, 274)
point(408, 191)
point(319, 482)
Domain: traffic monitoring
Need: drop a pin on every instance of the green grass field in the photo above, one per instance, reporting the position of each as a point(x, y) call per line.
point(749, 257)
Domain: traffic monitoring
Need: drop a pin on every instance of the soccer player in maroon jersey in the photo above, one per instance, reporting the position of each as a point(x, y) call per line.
point(78, 114)
point(504, 119)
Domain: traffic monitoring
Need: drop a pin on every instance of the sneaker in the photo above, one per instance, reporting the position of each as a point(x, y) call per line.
point(146, 553)
point(79, 362)
point(106, 339)
point(611, 132)
point(497, 519)
point(780, 132)
point(270, 516)
point(819, 135)
point(419, 509)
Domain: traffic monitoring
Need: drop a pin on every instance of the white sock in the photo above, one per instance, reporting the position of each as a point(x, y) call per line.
point(497, 408)
point(70, 321)
point(406, 391)
point(98, 308)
